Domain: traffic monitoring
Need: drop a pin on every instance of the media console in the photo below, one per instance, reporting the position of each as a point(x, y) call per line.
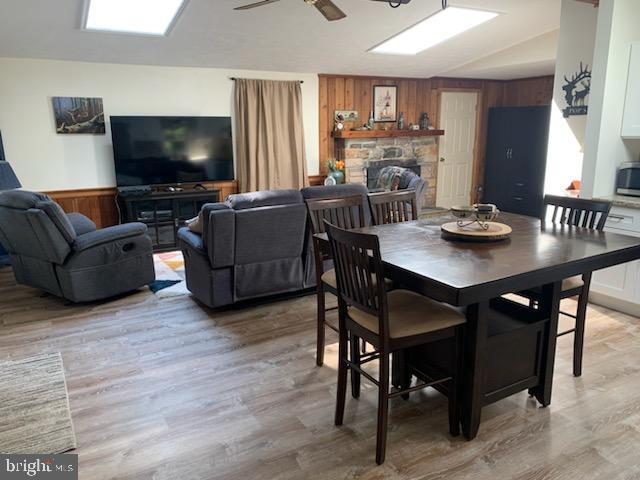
point(163, 211)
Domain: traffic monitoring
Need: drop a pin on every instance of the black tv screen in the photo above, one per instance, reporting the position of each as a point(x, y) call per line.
point(171, 150)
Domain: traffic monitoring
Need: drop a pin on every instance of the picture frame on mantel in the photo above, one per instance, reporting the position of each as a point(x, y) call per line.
point(385, 103)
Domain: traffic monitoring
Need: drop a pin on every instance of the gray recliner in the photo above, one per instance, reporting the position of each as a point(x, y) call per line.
point(66, 255)
point(251, 246)
point(407, 180)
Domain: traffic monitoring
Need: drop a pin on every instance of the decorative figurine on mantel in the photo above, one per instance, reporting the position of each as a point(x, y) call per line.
point(371, 121)
point(367, 126)
point(424, 121)
point(401, 121)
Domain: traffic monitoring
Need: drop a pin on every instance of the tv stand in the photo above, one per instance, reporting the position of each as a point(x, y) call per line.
point(164, 212)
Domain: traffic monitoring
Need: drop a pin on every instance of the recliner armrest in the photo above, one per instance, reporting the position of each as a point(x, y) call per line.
point(191, 239)
point(109, 234)
point(219, 237)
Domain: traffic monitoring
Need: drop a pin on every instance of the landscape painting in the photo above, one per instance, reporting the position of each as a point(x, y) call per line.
point(79, 115)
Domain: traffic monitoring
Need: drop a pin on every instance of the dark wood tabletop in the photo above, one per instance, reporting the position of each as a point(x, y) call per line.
point(462, 273)
point(474, 275)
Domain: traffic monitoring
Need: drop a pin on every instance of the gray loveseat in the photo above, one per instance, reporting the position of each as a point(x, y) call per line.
point(65, 255)
point(255, 245)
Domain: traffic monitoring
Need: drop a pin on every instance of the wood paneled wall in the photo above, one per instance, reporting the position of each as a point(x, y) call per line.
point(528, 91)
point(415, 95)
point(99, 204)
point(348, 92)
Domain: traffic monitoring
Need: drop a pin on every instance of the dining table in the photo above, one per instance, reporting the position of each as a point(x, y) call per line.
point(509, 347)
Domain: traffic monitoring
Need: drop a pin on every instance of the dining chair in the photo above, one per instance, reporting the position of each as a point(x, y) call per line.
point(393, 207)
point(390, 322)
point(347, 213)
point(577, 212)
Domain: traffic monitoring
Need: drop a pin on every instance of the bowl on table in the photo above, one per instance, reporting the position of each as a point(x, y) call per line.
point(486, 212)
point(463, 211)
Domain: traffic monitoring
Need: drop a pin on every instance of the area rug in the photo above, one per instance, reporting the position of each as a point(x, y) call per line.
point(170, 277)
point(34, 406)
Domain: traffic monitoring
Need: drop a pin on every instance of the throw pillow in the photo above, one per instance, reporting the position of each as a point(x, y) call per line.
point(195, 224)
point(389, 178)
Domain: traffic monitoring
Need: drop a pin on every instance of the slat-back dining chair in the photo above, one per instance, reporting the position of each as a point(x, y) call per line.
point(390, 321)
point(577, 212)
point(393, 207)
point(347, 213)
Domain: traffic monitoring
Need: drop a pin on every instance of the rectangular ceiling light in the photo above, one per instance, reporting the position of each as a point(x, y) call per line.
point(145, 17)
point(435, 29)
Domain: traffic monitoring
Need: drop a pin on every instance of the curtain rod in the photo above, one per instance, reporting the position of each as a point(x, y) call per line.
point(235, 78)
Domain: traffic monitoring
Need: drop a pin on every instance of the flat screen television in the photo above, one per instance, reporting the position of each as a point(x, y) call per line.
point(171, 150)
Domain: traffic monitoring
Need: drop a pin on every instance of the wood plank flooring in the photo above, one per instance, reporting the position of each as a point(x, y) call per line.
point(167, 389)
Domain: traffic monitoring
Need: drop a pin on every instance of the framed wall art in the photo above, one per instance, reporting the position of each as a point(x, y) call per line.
point(78, 115)
point(385, 103)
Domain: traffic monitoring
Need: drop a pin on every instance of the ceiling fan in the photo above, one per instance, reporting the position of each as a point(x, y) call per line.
point(326, 7)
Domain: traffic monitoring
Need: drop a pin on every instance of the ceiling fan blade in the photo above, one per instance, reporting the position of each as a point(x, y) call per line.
point(257, 4)
point(329, 9)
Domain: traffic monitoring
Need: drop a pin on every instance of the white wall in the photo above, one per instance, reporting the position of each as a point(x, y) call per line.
point(567, 135)
point(44, 160)
point(604, 148)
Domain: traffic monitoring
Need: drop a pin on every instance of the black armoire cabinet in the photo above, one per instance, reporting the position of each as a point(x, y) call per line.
point(516, 158)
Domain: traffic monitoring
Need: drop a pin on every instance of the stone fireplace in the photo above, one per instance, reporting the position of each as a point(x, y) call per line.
point(364, 157)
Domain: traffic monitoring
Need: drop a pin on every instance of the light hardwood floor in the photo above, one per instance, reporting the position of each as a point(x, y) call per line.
point(167, 389)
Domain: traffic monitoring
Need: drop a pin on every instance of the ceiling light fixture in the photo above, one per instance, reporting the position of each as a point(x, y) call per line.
point(143, 17)
point(437, 28)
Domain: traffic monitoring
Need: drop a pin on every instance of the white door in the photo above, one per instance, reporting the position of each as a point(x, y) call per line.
point(458, 120)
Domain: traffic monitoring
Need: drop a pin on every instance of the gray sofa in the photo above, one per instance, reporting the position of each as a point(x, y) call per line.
point(255, 245)
point(65, 255)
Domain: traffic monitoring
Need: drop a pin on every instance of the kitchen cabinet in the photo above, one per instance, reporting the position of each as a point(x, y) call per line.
point(631, 118)
point(619, 287)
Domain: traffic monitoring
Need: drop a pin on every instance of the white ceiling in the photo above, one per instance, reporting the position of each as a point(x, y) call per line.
point(292, 36)
point(530, 58)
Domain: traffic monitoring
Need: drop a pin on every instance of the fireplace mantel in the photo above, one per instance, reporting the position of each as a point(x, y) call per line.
point(385, 133)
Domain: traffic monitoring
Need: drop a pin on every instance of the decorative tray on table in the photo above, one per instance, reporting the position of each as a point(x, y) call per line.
point(475, 223)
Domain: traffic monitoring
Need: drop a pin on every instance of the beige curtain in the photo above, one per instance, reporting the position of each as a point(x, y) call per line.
point(269, 135)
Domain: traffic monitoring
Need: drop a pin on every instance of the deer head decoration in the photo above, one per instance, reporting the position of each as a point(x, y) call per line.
point(571, 94)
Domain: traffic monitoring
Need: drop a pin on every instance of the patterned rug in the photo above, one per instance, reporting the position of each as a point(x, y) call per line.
point(170, 277)
point(34, 406)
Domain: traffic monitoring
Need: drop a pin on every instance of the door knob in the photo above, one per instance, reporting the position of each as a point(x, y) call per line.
point(442, 159)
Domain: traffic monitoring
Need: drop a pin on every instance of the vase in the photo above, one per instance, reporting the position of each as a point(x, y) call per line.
point(338, 176)
point(424, 121)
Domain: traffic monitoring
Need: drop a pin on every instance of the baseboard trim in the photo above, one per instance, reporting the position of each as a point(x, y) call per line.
point(613, 303)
